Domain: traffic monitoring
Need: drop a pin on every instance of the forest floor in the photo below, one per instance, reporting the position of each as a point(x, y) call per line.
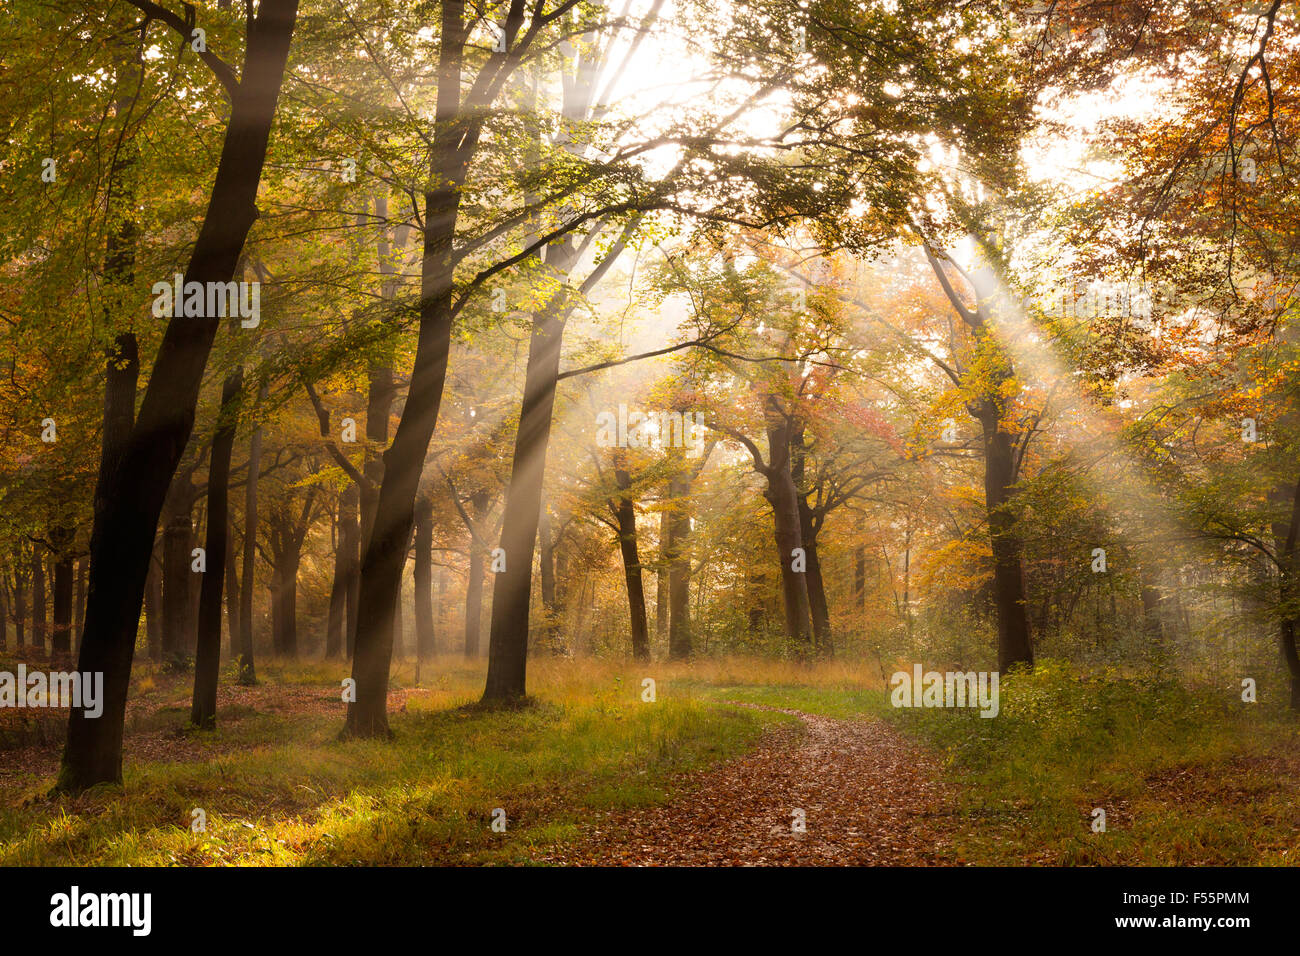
point(719, 768)
point(828, 793)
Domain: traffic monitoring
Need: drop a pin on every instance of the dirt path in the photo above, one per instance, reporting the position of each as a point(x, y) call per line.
point(868, 797)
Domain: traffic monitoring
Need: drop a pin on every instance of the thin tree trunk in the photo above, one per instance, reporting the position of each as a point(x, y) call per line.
point(424, 635)
point(20, 603)
point(474, 602)
point(232, 592)
point(334, 623)
point(661, 578)
point(153, 610)
point(40, 622)
point(546, 566)
point(79, 615)
point(679, 571)
point(625, 515)
point(61, 638)
point(178, 537)
point(207, 664)
point(351, 543)
point(247, 664)
point(860, 575)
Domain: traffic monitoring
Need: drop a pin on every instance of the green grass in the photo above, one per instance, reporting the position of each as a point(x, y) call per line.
point(279, 789)
point(1185, 775)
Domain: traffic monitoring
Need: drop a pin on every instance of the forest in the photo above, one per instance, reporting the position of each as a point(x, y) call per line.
point(649, 432)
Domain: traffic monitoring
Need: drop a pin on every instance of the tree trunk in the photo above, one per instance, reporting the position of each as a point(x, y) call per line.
point(351, 544)
point(512, 591)
point(336, 620)
point(782, 494)
point(79, 615)
point(794, 585)
point(153, 610)
point(232, 592)
point(679, 570)
point(61, 637)
point(207, 664)
point(860, 575)
point(474, 602)
point(247, 664)
point(818, 607)
point(424, 635)
point(661, 578)
point(1008, 575)
point(625, 514)
point(546, 541)
point(178, 537)
point(123, 534)
point(40, 621)
point(286, 539)
point(479, 504)
point(20, 604)
point(1286, 535)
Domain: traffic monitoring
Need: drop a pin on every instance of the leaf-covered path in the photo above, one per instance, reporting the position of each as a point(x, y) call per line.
point(868, 798)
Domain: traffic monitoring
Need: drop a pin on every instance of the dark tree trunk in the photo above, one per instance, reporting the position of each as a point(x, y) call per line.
point(1287, 538)
point(625, 516)
point(40, 620)
point(424, 636)
point(136, 487)
point(79, 614)
point(287, 534)
point(782, 494)
point(350, 542)
point(399, 616)
point(810, 522)
point(546, 541)
point(247, 663)
point(286, 629)
point(661, 578)
point(794, 584)
point(20, 605)
point(153, 626)
point(178, 539)
point(679, 570)
point(335, 622)
point(388, 498)
point(474, 602)
point(818, 607)
point(61, 637)
point(207, 664)
point(1008, 574)
point(232, 591)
